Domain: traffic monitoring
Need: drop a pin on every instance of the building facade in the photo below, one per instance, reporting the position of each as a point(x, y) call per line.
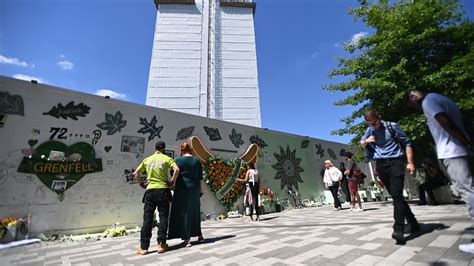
point(204, 60)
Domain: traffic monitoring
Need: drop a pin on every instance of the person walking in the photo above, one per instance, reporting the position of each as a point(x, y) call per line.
point(252, 179)
point(353, 182)
point(157, 195)
point(454, 147)
point(185, 214)
point(332, 179)
point(390, 145)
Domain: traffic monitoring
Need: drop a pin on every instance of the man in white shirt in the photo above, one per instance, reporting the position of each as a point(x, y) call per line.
point(453, 145)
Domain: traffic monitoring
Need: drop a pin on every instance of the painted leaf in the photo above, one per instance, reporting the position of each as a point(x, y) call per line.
point(319, 150)
point(257, 140)
point(113, 123)
point(185, 133)
point(150, 128)
point(69, 111)
point(332, 154)
point(11, 104)
point(236, 138)
point(213, 133)
point(342, 152)
point(305, 144)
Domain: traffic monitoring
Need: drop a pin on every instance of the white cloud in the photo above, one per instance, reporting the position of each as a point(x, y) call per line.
point(337, 45)
point(356, 38)
point(111, 93)
point(314, 55)
point(12, 61)
point(65, 65)
point(30, 78)
point(62, 56)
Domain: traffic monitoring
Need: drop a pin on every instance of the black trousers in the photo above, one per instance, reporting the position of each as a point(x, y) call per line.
point(425, 187)
point(392, 173)
point(255, 189)
point(155, 198)
point(345, 189)
point(334, 189)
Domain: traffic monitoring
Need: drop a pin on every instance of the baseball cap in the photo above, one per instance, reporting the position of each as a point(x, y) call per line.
point(160, 145)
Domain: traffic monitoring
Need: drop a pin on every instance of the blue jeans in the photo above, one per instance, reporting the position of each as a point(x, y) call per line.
point(459, 170)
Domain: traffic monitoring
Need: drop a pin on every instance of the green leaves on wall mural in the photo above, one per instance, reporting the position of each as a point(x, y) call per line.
point(213, 133)
point(288, 168)
point(150, 128)
point(113, 123)
point(332, 154)
point(185, 133)
point(236, 138)
point(319, 150)
point(11, 104)
point(257, 140)
point(305, 144)
point(69, 111)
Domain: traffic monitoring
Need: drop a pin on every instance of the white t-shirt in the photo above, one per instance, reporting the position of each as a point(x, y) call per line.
point(253, 176)
point(446, 145)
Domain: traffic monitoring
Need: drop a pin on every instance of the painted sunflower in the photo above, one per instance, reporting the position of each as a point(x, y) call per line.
point(288, 168)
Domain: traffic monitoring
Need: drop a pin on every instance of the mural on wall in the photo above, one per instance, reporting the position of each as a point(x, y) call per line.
point(288, 168)
point(213, 133)
point(59, 166)
point(185, 133)
point(97, 135)
point(11, 104)
point(332, 154)
point(133, 144)
point(129, 178)
point(113, 123)
point(257, 140)
point(319, 150)
point(150, 128)
point(69, 111)
point(3, 120)
point(342, 152)
point(236, 138)
point(305, 144)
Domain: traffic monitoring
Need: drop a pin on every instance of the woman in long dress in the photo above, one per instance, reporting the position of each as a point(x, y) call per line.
point(185, 215)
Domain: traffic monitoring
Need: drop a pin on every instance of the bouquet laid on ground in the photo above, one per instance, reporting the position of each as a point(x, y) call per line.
point(12, 229)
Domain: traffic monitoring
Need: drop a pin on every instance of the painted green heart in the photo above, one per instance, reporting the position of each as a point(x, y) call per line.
point(107, 148)
point(59, 166)
point(32, 142)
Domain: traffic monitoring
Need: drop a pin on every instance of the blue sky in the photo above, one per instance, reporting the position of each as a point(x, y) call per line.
point(104, 46)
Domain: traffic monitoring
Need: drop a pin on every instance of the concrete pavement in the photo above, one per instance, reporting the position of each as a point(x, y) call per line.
point(314, 236)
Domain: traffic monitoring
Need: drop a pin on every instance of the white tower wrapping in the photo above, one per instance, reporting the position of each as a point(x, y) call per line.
point(204, 60)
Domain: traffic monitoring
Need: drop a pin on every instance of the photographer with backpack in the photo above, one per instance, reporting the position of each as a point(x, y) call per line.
point(391, 146)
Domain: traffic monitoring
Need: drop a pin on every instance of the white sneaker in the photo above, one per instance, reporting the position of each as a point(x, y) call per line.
point(468, 248)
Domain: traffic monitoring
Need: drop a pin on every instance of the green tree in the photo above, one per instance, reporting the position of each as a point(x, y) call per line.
point(418, 44)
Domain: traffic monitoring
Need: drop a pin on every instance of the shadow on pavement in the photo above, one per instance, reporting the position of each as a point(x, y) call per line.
point(206, 241)
point(425, 229)
point(268, 218)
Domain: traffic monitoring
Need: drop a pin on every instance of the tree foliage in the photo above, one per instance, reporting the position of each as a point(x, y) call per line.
point(415, 44)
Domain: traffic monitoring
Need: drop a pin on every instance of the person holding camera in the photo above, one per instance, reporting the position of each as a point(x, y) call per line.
point(185, 216)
